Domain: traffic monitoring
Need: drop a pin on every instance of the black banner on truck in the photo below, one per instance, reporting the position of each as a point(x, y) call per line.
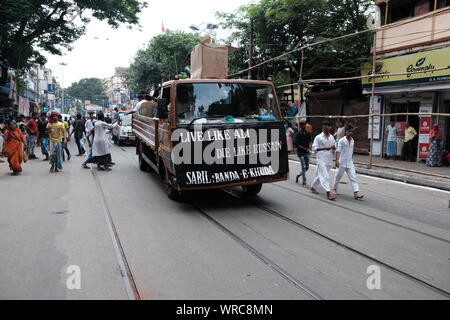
point(211, 156)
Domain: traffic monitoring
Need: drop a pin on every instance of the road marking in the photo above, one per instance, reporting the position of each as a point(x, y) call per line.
point(388, 180)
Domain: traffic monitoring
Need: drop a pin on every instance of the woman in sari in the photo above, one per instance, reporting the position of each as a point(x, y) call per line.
point(435, 155)
point(13, 147)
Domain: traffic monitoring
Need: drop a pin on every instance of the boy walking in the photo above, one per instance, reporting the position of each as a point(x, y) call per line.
point(303, 143)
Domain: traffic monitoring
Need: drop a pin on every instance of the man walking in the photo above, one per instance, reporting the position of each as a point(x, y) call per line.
point(323, 146)
point(32, 130)
point(79, 128)
point(66, 139)
point(58, 134)
point(408, 147)
point(303, 143)
point(344, 162)
point(43, 135)
point(89, 125)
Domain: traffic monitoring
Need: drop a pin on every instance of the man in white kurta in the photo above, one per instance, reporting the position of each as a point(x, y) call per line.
point(344, 162)
point(324, 145)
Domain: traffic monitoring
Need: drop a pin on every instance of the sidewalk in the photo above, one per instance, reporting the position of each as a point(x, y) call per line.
point(408, 172)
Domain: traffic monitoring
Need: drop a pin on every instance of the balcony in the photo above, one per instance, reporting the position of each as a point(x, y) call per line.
point(431, 28)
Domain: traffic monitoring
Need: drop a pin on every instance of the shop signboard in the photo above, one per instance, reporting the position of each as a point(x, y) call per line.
point(424, 63)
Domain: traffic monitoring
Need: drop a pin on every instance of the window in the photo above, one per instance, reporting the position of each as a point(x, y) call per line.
point(443, 4)
point(216, 101)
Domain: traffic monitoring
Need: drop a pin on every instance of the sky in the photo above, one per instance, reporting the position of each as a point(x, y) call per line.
point(101, 49)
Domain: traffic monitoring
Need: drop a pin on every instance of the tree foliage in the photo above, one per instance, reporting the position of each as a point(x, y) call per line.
point(87, 89)
point(283, 25)
point(29, 27)
point(165, 56)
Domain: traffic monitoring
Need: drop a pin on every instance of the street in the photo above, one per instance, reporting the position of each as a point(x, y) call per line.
point(131, 242)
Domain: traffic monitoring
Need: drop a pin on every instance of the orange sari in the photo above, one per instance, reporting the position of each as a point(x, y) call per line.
point(14, 149)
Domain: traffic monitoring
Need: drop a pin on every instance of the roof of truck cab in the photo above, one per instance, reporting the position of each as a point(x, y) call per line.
point(215, 81)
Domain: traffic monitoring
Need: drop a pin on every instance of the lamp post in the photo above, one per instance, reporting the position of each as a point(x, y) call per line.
point(62, 64)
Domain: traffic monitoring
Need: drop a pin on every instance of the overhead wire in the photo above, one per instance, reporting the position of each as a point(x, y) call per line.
point(386, 27)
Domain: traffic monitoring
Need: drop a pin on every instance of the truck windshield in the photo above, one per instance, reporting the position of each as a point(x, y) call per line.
point(226, 102)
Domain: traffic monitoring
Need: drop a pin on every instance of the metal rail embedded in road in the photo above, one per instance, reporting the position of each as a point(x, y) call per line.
point(125, 271)
point(337, 242)
point(260, 256)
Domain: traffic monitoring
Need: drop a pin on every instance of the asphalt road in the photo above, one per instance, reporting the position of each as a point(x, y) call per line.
point(130, 241)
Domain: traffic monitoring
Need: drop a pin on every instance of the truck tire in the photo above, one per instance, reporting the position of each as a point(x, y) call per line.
point(172, 193)
point(143, 165)
point(252, 190)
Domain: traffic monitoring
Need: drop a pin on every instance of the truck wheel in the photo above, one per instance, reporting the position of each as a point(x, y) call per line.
point(252, 190)
point(143, 166)
point(172, 193)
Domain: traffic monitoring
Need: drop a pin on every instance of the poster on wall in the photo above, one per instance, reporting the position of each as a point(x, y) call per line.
point(376, 120)
point(424, 131)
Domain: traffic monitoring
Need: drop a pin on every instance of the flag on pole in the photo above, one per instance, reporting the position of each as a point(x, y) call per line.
point(162, 27)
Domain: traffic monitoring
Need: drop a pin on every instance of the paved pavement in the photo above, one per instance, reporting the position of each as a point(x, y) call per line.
point(407, 172)
point(217, 245)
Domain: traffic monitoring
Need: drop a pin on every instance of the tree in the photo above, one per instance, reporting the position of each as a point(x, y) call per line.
point(283, 25)
point(87, 89)
point(29, 27)
point(165, 56)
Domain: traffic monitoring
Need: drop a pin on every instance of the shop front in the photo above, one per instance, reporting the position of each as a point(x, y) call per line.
point(425, 92)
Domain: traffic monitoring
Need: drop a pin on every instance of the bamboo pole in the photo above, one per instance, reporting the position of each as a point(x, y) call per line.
point(372, 107)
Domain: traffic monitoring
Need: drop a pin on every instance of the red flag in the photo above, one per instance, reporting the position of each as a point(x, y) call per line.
point(162, 27)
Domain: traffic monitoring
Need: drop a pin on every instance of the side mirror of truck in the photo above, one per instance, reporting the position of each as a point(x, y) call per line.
point(163, 112)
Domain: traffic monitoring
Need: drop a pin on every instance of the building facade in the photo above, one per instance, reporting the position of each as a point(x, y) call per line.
point(117, 91)
point(38, 94)
point(414, 37)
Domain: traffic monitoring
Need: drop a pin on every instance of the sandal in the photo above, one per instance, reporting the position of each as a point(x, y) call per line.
point(314, 191)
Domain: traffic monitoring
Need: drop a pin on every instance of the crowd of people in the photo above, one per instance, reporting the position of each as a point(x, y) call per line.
point(20, 137)
point(341, 145)
point(325, 146)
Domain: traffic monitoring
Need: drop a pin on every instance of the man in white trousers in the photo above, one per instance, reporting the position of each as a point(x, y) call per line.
point(344, 162)
point(324, 145)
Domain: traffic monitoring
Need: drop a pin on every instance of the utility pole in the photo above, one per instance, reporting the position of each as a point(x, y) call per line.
point(250, 50)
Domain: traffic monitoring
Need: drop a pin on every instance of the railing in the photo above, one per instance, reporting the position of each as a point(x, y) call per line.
point(433, 28)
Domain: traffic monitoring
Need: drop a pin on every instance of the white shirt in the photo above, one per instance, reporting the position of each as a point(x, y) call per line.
point(345, 148)
point(321, 141)
point(100, 147)
point(392, 132)
point(89, 126)
point(139, 105)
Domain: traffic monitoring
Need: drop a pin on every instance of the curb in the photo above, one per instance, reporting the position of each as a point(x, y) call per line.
point(409, 178)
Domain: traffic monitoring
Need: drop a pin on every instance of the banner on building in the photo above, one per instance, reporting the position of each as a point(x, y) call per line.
point(427, 61)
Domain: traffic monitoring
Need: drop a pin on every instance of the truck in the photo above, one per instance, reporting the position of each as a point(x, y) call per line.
point(213, 133)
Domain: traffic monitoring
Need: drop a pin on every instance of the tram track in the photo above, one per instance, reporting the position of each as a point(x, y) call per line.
point(284, 273)
point(341, 244)
point(335, 204)
point(124, 268)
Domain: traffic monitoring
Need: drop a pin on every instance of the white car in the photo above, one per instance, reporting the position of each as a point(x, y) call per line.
point(123, 133)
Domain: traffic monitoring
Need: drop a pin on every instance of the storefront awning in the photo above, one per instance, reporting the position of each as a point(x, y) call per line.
point(409, 88)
